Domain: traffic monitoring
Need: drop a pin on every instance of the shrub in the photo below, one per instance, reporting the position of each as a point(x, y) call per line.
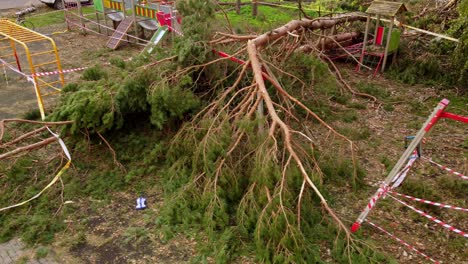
point(94, 74)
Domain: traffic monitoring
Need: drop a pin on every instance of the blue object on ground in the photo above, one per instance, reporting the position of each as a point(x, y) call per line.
point(141, 203)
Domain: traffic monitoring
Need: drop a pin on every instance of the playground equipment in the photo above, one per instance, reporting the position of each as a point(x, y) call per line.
point(386, 40)
point(113, 9)
point(155, 39)
point(146, 15)
point(14, 35)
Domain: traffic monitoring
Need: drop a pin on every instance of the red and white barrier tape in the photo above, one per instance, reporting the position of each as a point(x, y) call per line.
point(430, 202)
point(382, 191)
point(449, 227)
point(399, 240)
point(39, 74)
point(400, 177)
point(446, 168)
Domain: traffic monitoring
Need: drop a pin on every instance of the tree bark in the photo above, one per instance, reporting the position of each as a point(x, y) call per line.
point(254, 8)
point(319, 23)
point(330, 41)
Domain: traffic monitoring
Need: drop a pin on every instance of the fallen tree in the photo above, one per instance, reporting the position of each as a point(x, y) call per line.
point(247, 165)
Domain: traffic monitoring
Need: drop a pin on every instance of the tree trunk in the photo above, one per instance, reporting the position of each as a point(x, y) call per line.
point(319, 23)
point(331, 41)
point(254, 8)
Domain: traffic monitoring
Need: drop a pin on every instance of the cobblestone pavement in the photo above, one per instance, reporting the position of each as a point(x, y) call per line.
point(14, 252)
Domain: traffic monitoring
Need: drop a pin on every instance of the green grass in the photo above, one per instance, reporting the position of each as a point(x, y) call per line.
point(324, 6)
point(53, 18)
point(373, 89)
point(42, 252)
point(135, 235)
point(268, 18)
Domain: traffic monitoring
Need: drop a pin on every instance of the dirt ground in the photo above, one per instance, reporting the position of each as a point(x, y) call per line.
point(116, 233)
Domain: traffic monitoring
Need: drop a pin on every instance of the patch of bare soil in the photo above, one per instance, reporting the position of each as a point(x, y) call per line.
point(117, 233)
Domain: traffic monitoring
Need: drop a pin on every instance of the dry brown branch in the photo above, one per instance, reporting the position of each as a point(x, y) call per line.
point(34, 146)
point(226, 18)
point(338, 74)
point(258, 74)
point(61, 197)
point(158, 62)
point(114, 155)
point(238, 37)
point(25, 136)
point(15, 120)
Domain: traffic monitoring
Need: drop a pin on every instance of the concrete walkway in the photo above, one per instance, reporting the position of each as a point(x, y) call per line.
point(5, 4)
point(14, 252)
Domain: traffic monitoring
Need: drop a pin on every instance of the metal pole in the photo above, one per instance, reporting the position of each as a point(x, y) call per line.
point(135, 26)
point(15, 54)
point(435, 115)
point(105, 22)
point(366, 35)
point(377, 24)
point(389, 35)
point(254, 8)
point(99, 24)
point(80, 12)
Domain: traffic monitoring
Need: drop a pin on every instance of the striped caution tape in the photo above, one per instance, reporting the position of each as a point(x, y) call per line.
point(380, 193)
point(62, 144)
point(429, 202)
point(445, 225)
point(401, 241)
point(40, 74)
point(464, 177)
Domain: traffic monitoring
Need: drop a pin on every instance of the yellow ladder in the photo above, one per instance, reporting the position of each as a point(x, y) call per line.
point(18, 35)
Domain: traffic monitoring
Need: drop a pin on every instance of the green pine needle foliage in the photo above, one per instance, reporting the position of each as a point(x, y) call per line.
point(103, 105)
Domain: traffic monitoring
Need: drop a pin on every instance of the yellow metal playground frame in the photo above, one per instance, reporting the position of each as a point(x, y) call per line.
point(23, 36)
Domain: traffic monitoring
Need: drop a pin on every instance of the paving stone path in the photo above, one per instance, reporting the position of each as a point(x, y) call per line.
point(14, 252)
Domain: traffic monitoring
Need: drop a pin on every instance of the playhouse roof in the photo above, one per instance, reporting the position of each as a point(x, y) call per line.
point(386, 8)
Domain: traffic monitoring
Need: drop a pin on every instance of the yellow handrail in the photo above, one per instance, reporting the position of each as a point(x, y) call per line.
point(21, 35)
